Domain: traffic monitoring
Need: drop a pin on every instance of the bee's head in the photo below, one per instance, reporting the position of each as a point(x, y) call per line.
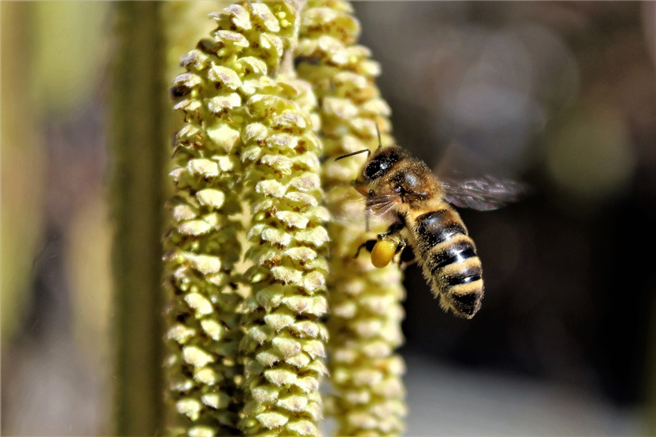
point(377, 166)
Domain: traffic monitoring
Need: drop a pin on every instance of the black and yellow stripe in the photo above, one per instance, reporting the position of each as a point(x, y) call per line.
point(449, 260)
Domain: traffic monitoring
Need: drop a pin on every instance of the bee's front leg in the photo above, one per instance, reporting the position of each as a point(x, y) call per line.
point(368, 245)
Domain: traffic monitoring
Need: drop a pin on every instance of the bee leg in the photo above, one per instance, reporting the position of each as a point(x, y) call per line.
point(368, 245)
point(401, 245)
point(393, 229)
point(407, 256)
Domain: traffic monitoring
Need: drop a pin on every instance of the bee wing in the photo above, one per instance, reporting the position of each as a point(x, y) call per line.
point(459, 171)
point(484, 194)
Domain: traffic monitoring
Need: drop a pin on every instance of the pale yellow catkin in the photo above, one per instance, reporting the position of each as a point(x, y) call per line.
point(284, 344)
point(203, 245)
point(247, 348)
point(285, 338)
point(366, 374)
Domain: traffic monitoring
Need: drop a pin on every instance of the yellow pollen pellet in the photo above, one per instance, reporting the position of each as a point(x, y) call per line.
point(382, 253)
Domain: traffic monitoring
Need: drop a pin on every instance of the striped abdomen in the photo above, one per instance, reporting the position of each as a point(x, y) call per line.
point(449, 261)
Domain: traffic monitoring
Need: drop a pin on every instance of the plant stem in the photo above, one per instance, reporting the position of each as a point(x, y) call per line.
point(137, 140)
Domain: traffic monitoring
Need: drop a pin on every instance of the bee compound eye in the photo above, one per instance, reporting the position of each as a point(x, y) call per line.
point(377, 168)
point(372, 169)
point(382, 253)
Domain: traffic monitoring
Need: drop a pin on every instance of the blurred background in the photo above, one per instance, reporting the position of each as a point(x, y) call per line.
point(558, 95)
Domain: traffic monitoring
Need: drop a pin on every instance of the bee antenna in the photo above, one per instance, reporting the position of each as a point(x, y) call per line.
point(380, 142)
point(354, 153)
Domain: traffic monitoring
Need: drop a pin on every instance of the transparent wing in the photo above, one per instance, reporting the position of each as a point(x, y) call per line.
point(484, 194)
point(468, 182)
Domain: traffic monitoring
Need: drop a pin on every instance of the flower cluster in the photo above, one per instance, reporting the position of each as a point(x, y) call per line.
point(204, 245)
point(364, 302)
point(284, 338)
point(246, 258)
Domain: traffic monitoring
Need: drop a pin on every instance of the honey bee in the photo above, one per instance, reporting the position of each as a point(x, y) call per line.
point(426, 227)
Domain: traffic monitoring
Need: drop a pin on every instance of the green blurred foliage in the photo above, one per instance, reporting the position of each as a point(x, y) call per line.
point(88, 269)
point(22, 171)
point(70, 50)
